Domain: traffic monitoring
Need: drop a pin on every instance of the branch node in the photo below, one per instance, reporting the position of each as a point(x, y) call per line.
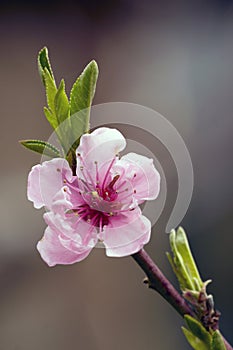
point(146, 280)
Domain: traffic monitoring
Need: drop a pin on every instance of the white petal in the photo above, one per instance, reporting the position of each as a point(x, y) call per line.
point(53, 252)
point(126, 235)
point(101, 146)
point(45, 180)
point(142, 174)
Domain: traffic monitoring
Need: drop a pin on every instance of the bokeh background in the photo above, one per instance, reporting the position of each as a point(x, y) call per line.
point(173, 56)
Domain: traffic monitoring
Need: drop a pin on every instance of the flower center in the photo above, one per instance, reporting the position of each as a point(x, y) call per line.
point(93, 217)
point(98, 194)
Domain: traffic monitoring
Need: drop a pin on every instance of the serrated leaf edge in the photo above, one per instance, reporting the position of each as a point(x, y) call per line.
point(28, 143)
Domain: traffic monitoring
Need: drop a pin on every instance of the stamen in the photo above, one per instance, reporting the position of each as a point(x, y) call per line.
point(95, 194)
point(107, 173)
point(122, 184)
point(114, 180)
point(97, 180)
point(84, 167)
point(80, 217)
point(86, 185)
point(125, 190)
point(117, 211)
point(100, 223)
point(77, 189)
point(93, 221)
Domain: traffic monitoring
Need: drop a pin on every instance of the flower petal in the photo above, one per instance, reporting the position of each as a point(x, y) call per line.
point(126, 234)
point(33, 188)
point(73, 228)
point(101, 146)
point(142, 174)
point(45, 180)
point(53, 252)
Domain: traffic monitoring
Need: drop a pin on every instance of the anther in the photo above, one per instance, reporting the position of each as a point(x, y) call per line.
point(95, 194)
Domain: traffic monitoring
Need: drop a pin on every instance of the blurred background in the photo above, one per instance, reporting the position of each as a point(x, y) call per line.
point(172, 56)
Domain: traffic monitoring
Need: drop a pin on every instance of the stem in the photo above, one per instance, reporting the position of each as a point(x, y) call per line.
point(157, 281)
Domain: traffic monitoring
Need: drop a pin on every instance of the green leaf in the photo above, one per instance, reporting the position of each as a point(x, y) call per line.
point(61, 103)
point(58, 110)
point(41, 147)
point(46, 74)
point(194, 341)
point(183, 263)
point(81, 97)
point(198, 330)
point(62, 111)
point(217, 342)
point(178, 265)
point(52, 119)
point(51, 90)
point(184, 249)
point(43, 62)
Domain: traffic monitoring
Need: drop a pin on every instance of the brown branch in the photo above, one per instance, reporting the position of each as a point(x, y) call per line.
point(157, 281)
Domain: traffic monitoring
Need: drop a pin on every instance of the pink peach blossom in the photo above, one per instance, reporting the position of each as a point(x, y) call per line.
point(99, 204)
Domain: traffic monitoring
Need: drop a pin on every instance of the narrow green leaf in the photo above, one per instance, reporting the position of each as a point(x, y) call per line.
point(217, 342)
point(184, 249)
point(43, 62)
point(171, 261)
point(81, 97)
point(41, 147)
point(194, 341)
point(198, 330)
point(51, 118)
point(51, 90)
point(180, 269)
point(47, 77)
point(61, 103)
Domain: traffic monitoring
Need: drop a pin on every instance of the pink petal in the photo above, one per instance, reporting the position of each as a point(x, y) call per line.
point(79, 231)
point(45, 180)
point(58, 223)
point(101, 146)
point(61, 201)
point(53, 252)
point(33, 188)
point(142, 174)
point(126, 234)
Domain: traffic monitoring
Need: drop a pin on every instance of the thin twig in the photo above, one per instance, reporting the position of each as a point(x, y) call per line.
point(157, 281)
